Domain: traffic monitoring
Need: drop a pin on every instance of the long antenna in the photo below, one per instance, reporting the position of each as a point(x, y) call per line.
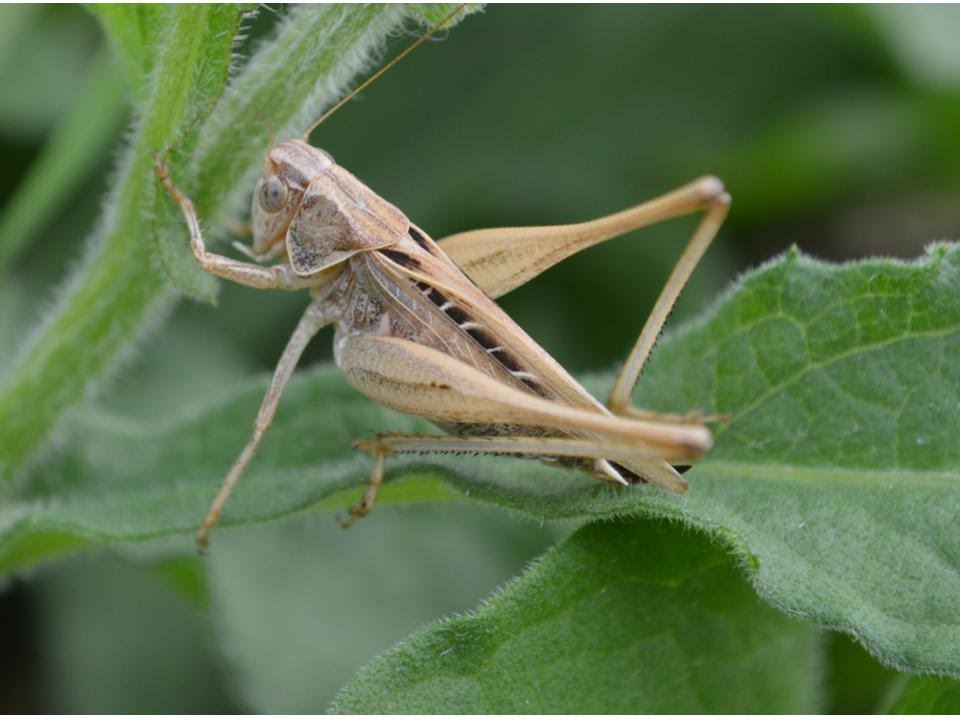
point(366, 83)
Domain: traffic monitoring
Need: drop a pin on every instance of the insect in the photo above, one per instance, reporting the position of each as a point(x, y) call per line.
point(418, 330)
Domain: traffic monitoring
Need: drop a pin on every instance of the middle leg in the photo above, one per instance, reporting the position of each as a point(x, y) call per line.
point(314, 318)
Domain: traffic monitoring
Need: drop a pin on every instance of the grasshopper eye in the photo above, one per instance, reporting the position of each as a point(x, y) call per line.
point(273, 194)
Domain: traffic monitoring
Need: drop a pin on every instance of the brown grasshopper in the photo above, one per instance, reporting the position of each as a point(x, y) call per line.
point(418, 329)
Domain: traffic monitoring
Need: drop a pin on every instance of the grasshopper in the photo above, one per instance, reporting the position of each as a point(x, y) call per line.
point(418, 329)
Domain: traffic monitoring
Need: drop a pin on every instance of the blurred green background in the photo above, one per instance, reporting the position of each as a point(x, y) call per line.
point(835, 128)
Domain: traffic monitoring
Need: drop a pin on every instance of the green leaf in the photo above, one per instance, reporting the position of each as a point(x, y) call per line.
point(77, 145)
point(923, 41)
point(118, 293)
point(835, 480)
point(292, 633)
point(623, 617)
point(788, 169)
point(854, 683)
point(150, 652)
point(133, 31)
point(318, 50)
point(839, 470)
point(926, 696)
point(44, 53)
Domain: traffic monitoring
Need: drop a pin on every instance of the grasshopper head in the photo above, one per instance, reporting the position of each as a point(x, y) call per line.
point(287, 171)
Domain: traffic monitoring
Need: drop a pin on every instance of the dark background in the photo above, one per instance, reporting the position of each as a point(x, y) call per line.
point(835, 128)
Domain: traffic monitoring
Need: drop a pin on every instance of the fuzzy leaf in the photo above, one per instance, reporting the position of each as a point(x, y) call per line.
point(835, 481)
point(118, 291)
point(134, 31)
point(286, 85)
point(623, 617)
